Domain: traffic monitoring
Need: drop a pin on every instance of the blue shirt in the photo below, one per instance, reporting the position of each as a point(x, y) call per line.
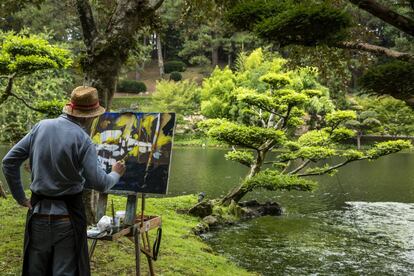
point(63, 161)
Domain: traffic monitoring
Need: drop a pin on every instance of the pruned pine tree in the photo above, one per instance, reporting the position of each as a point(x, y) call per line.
point(275, 114)
point(22, 55)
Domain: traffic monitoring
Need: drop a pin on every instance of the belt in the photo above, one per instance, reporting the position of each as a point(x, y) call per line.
point(53, 217)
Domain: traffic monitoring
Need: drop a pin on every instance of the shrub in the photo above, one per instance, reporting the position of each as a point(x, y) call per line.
point(131, 86)
point(176, 76)
point(181, 97)
point(174, 65)
point(52, 108)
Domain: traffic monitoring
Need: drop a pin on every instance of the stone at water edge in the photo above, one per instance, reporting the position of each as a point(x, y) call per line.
point(210, 220)
point(202, 209)
point(253, 208)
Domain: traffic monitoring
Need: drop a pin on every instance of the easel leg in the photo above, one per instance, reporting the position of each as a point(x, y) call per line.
point(93, 245)
point(137, 252)
point(150, 264)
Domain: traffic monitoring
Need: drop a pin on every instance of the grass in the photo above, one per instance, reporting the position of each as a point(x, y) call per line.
point(141, 103)
point(181, 252)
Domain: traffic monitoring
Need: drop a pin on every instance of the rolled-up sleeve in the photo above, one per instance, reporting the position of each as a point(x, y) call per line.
point(96, 178)
point(11, 167)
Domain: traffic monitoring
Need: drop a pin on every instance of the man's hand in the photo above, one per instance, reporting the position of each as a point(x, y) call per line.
point(26, 203)
point(119, 167)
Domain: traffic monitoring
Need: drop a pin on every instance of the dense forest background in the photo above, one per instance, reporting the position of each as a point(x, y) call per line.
point(162, 50)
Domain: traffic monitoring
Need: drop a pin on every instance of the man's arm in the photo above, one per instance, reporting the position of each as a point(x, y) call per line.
point(11, 168)
point(96, 177)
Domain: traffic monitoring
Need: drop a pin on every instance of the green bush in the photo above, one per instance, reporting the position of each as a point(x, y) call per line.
point(174, 65)
point(176, 76)
point(131, 86)
point(51, 109)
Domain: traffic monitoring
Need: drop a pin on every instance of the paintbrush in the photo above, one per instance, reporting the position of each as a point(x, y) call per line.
point(113, 212)
point(123, 160)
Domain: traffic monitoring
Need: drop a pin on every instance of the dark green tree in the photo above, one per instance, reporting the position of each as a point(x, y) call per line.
point(330, 23)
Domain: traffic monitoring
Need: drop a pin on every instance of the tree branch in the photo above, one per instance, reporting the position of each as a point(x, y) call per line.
point(8, 90)
point(87, 21)
point(304, 164)
point(378, 50)
point(158, 5)
point(26, 104)
point(397, 20)
point(332, 167)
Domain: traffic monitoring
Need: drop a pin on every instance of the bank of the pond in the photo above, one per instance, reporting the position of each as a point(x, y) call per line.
point(181, 252)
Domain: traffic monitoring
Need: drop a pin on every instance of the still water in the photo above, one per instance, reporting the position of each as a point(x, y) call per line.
point(360, 222)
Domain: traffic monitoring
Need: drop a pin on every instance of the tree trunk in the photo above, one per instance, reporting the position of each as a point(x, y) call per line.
point(160, 57)
point(238, 193)
point(214, 56)
point(359, 141)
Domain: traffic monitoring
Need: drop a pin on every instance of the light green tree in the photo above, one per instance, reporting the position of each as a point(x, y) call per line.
point(23, 55)
point(277, 109)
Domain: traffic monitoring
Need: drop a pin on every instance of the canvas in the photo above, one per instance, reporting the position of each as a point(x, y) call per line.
point(144, 141)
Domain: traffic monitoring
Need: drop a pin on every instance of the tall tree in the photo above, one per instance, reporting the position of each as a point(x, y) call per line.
point(107, 47)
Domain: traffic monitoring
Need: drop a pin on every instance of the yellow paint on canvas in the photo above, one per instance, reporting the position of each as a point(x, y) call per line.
point(96, 139)
point(146, 123)
point(134, 151)
point(126, 121)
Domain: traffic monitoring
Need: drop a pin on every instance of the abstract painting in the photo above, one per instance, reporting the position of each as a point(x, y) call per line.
point(143, 141)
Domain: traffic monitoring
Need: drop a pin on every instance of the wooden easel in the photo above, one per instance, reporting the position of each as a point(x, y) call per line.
point(135, 228)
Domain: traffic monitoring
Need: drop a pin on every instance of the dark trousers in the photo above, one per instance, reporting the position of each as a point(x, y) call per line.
point(51, 248)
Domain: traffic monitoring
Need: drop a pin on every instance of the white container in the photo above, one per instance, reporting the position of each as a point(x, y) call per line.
point(119, 217)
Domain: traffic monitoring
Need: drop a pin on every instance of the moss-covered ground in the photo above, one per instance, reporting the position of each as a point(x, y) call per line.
point(181, 252)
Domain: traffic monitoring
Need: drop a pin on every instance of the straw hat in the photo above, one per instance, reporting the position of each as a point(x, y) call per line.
point(84, 103)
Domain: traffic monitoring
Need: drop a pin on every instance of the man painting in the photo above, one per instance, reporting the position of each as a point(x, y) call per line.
point(63, 162)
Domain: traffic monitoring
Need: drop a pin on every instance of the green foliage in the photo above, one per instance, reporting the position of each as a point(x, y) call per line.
point(289, 22)
point(131, 86)
point(268, 115)
point(243, 157)
point(176, 76)
point(181, 97)
point(389, 147)
point(12, 131)
point(246, 136)
point(395, 78)
point(51, 109)
point(314, 138)
point(352, 154)
point(395, 116)
point(174, 65)
point(25, 54)
point(334, 119)
point(274, 181)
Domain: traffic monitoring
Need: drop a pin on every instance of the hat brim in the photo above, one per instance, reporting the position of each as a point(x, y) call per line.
point(83, 113)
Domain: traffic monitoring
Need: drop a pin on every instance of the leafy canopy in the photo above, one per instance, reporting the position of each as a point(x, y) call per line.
point(264, 106)
point(24, 54)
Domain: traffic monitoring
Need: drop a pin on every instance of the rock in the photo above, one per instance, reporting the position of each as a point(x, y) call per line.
point(249, 203)
point(255, 209)
point(202, 209)
point(210, 220)
point(200, 228)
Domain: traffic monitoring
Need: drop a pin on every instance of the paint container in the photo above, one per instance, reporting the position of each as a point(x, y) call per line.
point(119, 217)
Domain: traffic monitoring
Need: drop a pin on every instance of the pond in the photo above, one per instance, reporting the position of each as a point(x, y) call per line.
point(360, 222)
